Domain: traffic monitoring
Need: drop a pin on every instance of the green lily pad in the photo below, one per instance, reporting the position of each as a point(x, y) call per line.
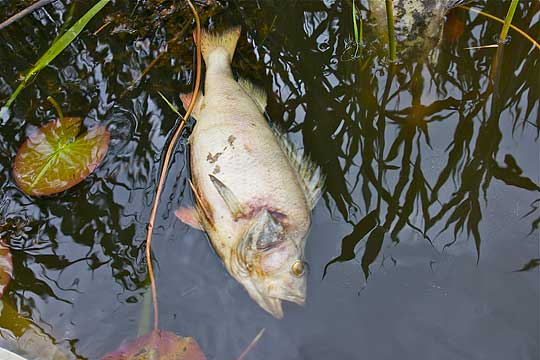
point(54, 158)
point(6, 267)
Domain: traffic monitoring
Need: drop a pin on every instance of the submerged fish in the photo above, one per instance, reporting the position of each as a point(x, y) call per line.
point(254, 191)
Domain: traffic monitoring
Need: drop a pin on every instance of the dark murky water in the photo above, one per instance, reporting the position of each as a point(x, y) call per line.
point(443, 159)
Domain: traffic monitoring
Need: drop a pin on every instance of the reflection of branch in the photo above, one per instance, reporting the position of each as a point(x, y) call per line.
point(37, 5)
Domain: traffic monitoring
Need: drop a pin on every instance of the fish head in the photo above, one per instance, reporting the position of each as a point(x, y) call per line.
point(270, 263)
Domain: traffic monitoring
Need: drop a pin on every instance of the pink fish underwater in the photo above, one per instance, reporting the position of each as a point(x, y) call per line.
point(254, 191)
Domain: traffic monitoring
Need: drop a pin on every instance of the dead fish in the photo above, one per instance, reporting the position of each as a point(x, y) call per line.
point(254, 191)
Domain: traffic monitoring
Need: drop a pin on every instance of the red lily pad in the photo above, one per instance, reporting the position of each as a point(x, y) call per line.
point(158, 345)
point(6, 267)
point(54, 158)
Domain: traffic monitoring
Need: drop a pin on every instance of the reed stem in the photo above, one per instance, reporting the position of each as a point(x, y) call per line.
point(391, 33)
point(355, 24)
point(508, 20)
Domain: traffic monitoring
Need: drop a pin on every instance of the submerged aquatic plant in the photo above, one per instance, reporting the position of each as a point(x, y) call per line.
point(6, 267)
point(28, 337)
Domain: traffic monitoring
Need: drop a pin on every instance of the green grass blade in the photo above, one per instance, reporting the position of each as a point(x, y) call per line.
point(56, 48)
point(173, 108)
point(355, 25)
point(361, 39)
point(508, 20)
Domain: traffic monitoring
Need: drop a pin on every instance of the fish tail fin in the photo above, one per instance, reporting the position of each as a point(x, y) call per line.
point(225, 40)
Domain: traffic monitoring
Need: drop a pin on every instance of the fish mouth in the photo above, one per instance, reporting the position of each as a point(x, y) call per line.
point(297, 299)
point(297, 296)
point(272, 306)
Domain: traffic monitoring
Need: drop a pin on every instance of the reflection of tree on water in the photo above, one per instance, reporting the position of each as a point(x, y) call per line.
point(343, 102)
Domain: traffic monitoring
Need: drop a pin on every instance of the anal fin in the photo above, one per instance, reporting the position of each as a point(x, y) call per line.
point(189, 216)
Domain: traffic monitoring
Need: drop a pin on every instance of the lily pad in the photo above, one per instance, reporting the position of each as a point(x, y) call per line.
point(6, 267)
point(158, 345)
point(54, 158)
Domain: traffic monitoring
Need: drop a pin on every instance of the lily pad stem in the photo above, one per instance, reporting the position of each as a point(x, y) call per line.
point(166, 161)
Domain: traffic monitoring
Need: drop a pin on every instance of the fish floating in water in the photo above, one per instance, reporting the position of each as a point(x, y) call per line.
point(254, 191)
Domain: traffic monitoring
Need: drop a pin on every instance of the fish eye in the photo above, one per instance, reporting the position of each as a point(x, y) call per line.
point(298, 268)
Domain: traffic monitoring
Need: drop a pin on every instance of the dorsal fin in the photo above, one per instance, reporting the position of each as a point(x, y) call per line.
point(310, 175)
point(256, 93)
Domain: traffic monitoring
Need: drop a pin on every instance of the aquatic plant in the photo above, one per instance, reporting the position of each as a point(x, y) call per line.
point(6, 267)
point(56, 157)
point(158, 345)
point(358, 29)
point(508, 20)
point(391, 32)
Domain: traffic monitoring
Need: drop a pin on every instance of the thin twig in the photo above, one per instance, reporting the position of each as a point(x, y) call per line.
point(251, 345)
point(102, 27)
point(166, 160)
point(37, 5)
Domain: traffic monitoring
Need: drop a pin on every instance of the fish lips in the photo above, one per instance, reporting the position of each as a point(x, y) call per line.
point(272, 300)
point(298, 297)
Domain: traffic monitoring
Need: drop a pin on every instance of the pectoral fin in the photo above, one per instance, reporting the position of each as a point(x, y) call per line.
point(234, 205)
point(189, 216)
point(186, 100)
